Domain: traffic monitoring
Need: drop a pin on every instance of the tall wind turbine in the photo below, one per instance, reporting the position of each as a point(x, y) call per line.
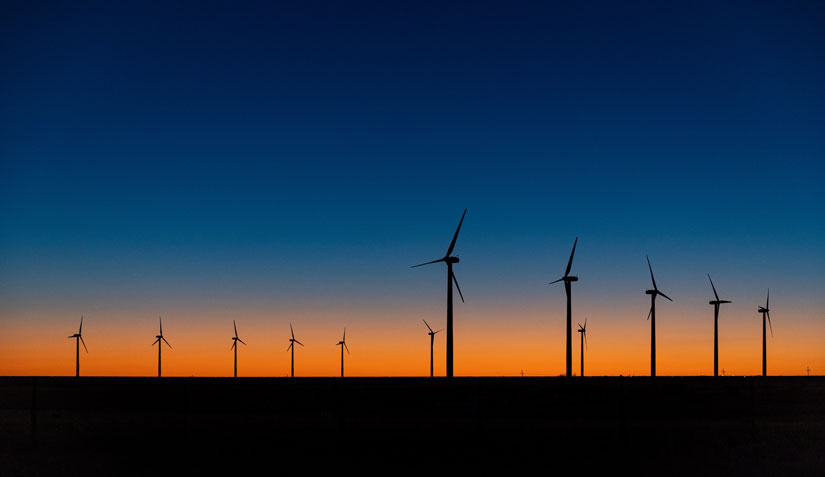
point(343, 344)
point(292, 342)
point(715, 304)
point(432, 341)
point(235, 340)
point(78, 339)
point(765, 312)
point(652, 317)
point(568, 279)
point(583, 331)
point(158, 342)
point(450, 280)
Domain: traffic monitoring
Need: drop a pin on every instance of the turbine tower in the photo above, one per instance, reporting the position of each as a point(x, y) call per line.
point(450, 280)
point(158, 342)
point(652, 317)
point(715, 304)
point(568, 279)
point(343, 344)
point(292, 342)
point(432, 341)
point(765, 310)
point(235, 340)
point(78, 339)
point(583, 331)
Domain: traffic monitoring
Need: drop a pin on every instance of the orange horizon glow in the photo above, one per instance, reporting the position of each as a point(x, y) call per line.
point(485, 345)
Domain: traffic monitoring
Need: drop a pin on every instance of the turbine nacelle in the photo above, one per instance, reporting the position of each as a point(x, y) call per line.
point(763, 310)
point(451, 259)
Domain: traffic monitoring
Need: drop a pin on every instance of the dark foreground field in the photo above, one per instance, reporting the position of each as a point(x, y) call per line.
point(667, 426)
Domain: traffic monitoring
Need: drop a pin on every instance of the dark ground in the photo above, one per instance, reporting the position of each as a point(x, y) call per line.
point(666, 426)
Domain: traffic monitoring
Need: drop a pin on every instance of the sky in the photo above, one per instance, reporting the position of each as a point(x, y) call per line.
point(287, 162)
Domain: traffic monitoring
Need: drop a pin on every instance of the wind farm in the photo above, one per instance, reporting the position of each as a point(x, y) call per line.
point(288, 165)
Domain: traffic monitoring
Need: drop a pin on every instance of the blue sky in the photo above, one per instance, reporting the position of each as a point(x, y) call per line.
point(313, 151)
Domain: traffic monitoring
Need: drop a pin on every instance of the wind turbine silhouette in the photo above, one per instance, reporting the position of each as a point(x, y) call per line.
point(716, 304)
point(583, 331)
point(432, 341)
point(568, 279)
point(450, 280)
point(235, 340)
point(78, 339)
point(343, 344)
point(652, 317)
point(292, 342)
point(158, 342)
point(765, 312)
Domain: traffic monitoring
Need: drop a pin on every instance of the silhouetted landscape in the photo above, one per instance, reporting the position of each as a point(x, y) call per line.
point(670, 425)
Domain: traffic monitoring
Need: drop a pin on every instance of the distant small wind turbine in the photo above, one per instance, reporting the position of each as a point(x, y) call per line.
point(652, 317)
point(432, 341)
point(343, 344)
point(450, 280)
point(158, 342)
point(583, 331)
point(716, 304)
point(235, 340)
point(765, 312)
point(78, 339)
point(568, 279)
point(292, 342)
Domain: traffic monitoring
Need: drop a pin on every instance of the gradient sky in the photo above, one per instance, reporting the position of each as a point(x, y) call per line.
point(288, 163)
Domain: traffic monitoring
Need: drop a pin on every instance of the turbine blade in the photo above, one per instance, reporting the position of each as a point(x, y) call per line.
point(296, 341)
point(649, 312)
point(290, 330)
point(233, 344)
point(161, 326)
point(347, 347)
point(428, 325)
point(768, 302)
point(769, 323)
point(236, 328)
point(651, 273)
point(585, 341)
point(452, 244)
point(657, 291)
point(156, 342)
point(345, 335)
point(241, 341)
point(457, 287)
point(290, 346)
point(422, 264)
point(439, 331)
point(79, 331)
point(556, 281)
point(714, 288)
point(585, 323)
point(167, 343)
point(84, 344)
point(570, 262)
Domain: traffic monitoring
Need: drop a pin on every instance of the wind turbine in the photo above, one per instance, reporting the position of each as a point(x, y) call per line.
point(450, 280)
point(292, 342)
point(765, 312)
point(652, 317)
point(432, 341)
point(78, 339)
point(583, 331)
point(343, 344)
point(158, 342)
point(235, 340)
point(716, 304)
point(568, 279)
